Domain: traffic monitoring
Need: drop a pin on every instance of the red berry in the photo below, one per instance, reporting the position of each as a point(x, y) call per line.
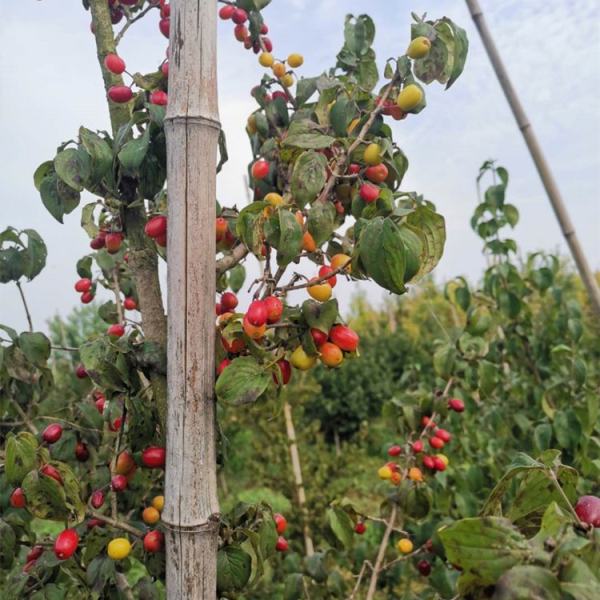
point(428, 462)
point(264, 29)
point(161, 240)
point(417, 446)
point(274, 309)
point(129, 2)
point(154, 457)
point(235, 346)
point(65, 544)
point(268, 44)
point(165, 10)
point(34, 553)
point(369, 192)
point(318, 337)
point(280, 523)
point(120, 93)
point(353, 169)
point(588, 510)
point(257, 313)
point(80, 372)
point(424, 568)
point(100, 402)
point(95, 523)
point(116, 14)
point(17, 498)
point(87, 297)
point(114, 63)
point(444, 435)
point(156, 226)
point(113, 242)
point(427, 422)
point(394, 450)
point(286, 372)
point(129, 303)
point(223, 365)
point(240, 32)
point(116, 330)
point(50, 471)
point(436, 442)
point(153, 541)
point(282, 544)
point(165, 25)
point(377, 173)
point(97, 243)
point(52, 433)
point(97, 499)
point(360, 528)
point(118, 483)
point(260, 169)
point(159, 97)
point(239, 16)
point(226, 12)
point(81, 451)
point(456, 404)
point(228, 301)
point(116, 424)
point(344, 337)
point(83, 285)
point(438, 464)
point(324, 271)
point(164, 68)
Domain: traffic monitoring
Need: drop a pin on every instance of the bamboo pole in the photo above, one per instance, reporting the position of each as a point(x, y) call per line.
point(297, 470)
point(554, 195)
point(191, 513)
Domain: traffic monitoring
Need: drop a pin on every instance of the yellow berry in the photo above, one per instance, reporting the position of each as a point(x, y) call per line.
point(150, 515)
point(158, 502)
point(410, 97)
point(274, 199)
point(278, 69)
point(266, 59)
point(287, 80)
point(295, 60)
point(320, 291)
point(405, 546)
point(251, 124)
point(415, 474)
point(301, 360)
point(119, 548)
point(372, 154)
point(339, 260)
point(419, 47)
point(384, 472)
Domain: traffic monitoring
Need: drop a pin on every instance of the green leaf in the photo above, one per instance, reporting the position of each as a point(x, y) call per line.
point(44, 170)
point(431, 229)
point(99, 151)
point(444, 359)
point(527, 581)
point(321, 221)
point(461, 48)
point(305, 88)
point(52, 199)
point(511, 212)
point(432, 66)
point(35, 347)
point(309, 140)
point(248, 226)
point(87, 219)
point(8, 545)
point(308, 177)
point(341, 524)
point(320, 315)
point(578, 580)
point(20, 456)
point(340, 115)
point(133, 152)
point(289, 243)
point(234, 567)
point(242, 382)
point(293, 587)
point(484, 548)
point(237, 276)
point(74, 167)
point(108, 312)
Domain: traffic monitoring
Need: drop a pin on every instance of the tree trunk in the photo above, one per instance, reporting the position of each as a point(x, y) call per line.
point(191, 513)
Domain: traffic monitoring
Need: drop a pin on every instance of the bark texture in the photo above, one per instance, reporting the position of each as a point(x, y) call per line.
point(191, 513)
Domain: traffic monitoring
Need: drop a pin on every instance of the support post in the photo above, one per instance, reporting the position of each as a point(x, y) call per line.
point(562, 215)
point(191, 514)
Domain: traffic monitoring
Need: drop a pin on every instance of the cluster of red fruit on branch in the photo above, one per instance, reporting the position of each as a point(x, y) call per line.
point(224, 238)
point(116, 65)
point(111, 240)
point(239, 17)
point(86, 288)
point(415, 454)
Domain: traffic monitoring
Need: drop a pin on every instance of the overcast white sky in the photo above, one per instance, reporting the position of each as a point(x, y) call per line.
point(50, 84)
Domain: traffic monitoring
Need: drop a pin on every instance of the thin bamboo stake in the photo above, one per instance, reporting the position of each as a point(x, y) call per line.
point(191, 513)
point(562, 215)
point(297, 470)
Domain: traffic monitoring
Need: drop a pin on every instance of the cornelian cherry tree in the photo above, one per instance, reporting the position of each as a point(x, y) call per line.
point(325, 177)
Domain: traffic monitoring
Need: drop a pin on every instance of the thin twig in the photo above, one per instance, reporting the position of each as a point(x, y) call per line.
point(116, 523)
point(316, 281)
point(556, 483)
point(381, 554)
point(365, 564)
point(25, 305)
point(24, 416)
point(117, 291)
point(130, 22)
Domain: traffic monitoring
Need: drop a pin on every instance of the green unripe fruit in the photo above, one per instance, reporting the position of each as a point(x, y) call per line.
point(419, 47)
point(410, 97)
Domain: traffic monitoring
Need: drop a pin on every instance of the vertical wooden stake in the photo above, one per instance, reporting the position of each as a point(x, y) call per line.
point(191, 514)
point(554, 195)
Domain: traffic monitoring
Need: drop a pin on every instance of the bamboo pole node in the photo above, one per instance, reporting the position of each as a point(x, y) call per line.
point(194, 120)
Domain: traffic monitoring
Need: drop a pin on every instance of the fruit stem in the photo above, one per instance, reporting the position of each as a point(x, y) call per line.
point(116, 523)
point(131, 21)
point(25, 305)
point(566, 500)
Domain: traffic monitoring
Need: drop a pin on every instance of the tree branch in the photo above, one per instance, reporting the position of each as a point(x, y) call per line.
point(381, 554)
point(25, 305)
point(230, 260)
